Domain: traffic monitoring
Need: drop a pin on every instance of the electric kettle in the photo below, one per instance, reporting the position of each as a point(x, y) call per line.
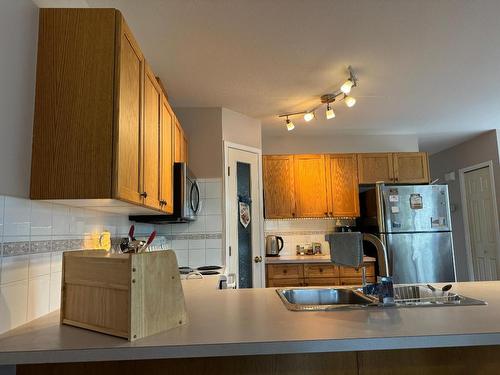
point(274, 244)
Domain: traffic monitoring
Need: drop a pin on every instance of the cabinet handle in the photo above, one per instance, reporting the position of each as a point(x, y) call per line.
point(326, 213)
point(284, 271)
point(321, 270)
point(293, 214)
point(163, 203)
point(144, 194)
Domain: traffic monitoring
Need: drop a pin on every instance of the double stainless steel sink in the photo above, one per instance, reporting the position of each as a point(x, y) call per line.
point(323, 299)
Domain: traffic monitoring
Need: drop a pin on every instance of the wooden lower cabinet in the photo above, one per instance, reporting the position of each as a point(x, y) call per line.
point(315, 274)
point(484, 360)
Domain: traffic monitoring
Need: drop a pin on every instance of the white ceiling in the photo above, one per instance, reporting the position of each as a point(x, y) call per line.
point(425, 67)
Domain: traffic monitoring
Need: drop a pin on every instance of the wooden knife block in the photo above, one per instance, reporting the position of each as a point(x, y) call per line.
point(125, 295)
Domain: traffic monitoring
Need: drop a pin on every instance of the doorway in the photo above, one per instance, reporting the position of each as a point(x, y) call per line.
point(243, 219)
point(480, 221)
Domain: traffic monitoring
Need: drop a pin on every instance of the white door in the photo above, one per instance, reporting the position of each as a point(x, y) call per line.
point(243, 217)
point(481, 217)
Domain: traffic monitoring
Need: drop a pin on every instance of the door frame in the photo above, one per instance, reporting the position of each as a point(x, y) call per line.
point(227, 145)
point(468, 247)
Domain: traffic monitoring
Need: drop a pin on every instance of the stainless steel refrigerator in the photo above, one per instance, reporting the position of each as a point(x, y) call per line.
point(414, 223)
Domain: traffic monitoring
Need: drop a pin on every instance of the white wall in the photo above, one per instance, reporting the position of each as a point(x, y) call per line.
point(203, 127)
point(291, 144)
point(18, 46)
point(482, 148)
point(241, 129)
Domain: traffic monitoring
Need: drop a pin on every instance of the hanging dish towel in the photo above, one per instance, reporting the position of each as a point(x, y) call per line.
point(346, 248)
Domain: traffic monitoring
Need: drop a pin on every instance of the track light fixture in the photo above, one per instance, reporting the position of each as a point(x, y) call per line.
point(340, 95)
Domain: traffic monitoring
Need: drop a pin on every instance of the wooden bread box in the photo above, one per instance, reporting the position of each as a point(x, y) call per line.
point(125, 295)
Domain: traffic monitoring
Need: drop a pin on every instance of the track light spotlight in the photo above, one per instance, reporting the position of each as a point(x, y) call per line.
point(309, 116)
point(350, 101)
point(329, 112)
point(347, 86)
point(289, 125)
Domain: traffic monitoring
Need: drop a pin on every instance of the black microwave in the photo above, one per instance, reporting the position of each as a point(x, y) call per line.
point(187, 201)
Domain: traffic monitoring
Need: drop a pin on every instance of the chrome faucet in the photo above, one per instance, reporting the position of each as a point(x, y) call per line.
point(383, 263)
point(384, 287)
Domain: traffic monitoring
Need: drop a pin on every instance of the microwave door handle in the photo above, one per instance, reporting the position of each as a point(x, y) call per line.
point(194, 186)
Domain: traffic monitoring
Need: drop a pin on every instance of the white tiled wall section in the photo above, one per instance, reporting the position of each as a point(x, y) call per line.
point(33, 235)
point(200, 242)
point(302, 231)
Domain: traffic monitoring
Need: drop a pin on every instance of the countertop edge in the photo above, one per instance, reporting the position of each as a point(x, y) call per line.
point(255, 348)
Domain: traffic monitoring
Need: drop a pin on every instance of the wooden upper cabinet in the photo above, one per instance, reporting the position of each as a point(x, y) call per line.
point(151, 140)
point(376, 167)
point(185, 149)
point(178, 142)
point(310, 185)
point(342, 185)
point(130, 74)
point(279, 196)
point(98, 123)
point(411, 167)
point(166, 158)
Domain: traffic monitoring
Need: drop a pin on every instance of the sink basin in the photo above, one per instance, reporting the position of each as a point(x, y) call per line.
point(309, 299)
point(322, 299)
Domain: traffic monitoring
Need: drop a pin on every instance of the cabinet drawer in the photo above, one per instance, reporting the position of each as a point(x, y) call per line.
point(285, 271)
point(320, 270)
point(355, 280)
point(322, 281)
point(279, 283)
point(353, 272)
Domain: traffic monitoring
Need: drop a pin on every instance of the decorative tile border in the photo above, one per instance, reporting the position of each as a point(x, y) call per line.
point(35, 247)
point(41, 247)
point(16, 248)
point(297, 232)
point(11, 249)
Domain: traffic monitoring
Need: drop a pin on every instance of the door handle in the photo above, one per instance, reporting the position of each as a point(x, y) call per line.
point(257, 259)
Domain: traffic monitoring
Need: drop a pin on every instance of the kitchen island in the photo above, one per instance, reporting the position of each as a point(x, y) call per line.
point(254, 322)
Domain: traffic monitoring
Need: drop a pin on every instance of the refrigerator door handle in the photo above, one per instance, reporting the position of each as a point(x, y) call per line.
point(380, 207)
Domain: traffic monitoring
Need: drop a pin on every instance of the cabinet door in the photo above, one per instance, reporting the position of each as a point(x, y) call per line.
point(285, 271)
point(185, 152)
point(343, 190)
point(310, 185)
point(373, 168)
point(166, 158)
point(411, 167)
point(178, 140)
point(151, 140)
point(279, 199)
point(128, 185)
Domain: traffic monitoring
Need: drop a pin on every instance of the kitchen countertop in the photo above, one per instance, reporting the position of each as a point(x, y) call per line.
point(255, 321)
point(306, 259)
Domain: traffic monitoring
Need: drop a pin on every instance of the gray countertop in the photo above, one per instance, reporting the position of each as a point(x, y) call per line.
point(254, 321)
point(306, 259)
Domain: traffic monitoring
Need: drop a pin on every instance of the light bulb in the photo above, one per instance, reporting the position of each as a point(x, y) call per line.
point(309, 116)
point(289, 125)
point(329, 112)
point(347, 86)
point(349, 101)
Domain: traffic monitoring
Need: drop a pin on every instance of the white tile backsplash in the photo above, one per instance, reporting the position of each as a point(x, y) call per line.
point(38, 296)
point(213, 206)
point(17, 217)
point(39, 264)
point(41, 219)
point(196, 244)
point(214, 257)
point(213, 223)
point(14, 269)
point(55, 291)
point(197, 258)
point(13, 304)
point(182, 257)
point(30, 281)
point(213, 190)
